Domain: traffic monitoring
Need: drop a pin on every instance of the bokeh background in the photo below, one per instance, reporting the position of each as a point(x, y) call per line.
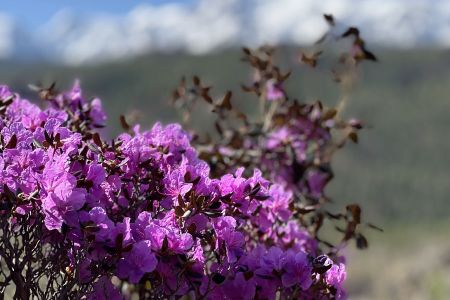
point(132, 53)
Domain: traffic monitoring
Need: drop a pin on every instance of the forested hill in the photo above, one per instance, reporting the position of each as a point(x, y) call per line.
point(399, 170)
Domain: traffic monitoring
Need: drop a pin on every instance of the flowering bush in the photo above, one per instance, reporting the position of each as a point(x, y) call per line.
point(156, 214)
point(291, 142)
point(78, 211)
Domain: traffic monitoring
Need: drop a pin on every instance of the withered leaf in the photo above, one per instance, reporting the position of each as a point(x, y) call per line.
point(355, 211)
point(255, 190)
point(127, 248)
point(91, 228)
point(205, 96)
point(283, 77)
point(179, 211)
point(261, 197)
point(215, 205)
point(310, 60)
point(218, 278)
point(247, 88)
point(226, 102)
point(213, 213)
point(329, 114)
point(306, 209)
point(368, 55)
point(8, 193)
point(123, 123)
point(48, 139)
point(165, 244)
point(353, 137)
point(123, 162)
point(119, 241)
point(180, 201)
point(375, 227)
point(247, 190)
point(12, 142)
point(192, 228)
point(334, 216)
point(97, 140)
point(7, 101)
point(187, 178)
point(248, 275)
point(329, 19)
point(218, 128)
point(361, 241)
point(196, 80)
point(246, 50)
point(351, 31)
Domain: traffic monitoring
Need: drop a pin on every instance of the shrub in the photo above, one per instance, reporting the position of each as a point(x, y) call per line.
point(157, 214)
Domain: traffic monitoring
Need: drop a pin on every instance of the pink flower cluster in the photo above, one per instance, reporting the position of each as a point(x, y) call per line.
point(144, 209)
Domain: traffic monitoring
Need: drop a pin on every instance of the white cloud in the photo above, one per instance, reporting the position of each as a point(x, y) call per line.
point(6, 36)
point(211, 24)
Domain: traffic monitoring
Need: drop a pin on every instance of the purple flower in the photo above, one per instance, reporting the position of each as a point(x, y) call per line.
point(293, 234)
point(197, 253)
point(238, 288)
point(200, 221)
point(233, 184)
point(177, 242)
point(123, 230)
point(272, 262)
point(104, 289)
point(172, 282)
point(17, 130)
point(101, 220)
point(317, 182)
point(174, 186)
point(274, 90)
point(137, 262)
point(233, 241)
point(5, 92)
point(96, 112)
point(32, 116)
point(279, 203)
point(62, 195)
point(278, 137)
point(74, 97)
point(118, 209)
point(96, 174)
point(228, 238)
point(297, 270)
point(138, 227)
point(335, 277)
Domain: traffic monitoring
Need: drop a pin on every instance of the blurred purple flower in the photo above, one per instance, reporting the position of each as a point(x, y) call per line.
point(274, 90)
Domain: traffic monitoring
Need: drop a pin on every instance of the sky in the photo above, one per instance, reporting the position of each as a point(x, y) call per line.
point(76, 32)
point(34, 13)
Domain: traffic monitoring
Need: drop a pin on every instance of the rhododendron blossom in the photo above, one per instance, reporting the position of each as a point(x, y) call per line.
point(143, 214)
point(165, 214)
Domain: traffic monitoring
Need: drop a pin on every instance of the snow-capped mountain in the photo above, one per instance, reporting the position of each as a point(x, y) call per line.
point(210, 24)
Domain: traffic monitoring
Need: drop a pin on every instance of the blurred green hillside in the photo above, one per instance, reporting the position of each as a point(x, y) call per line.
point(400, 171)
